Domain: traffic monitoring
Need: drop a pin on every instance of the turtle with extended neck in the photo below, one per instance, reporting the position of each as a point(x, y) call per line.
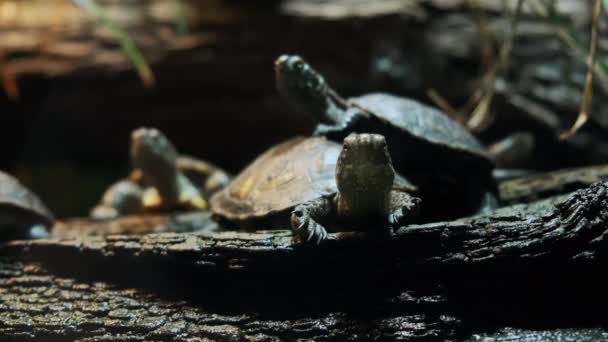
point(161, 179)
point(314, 184)
point(436, 153)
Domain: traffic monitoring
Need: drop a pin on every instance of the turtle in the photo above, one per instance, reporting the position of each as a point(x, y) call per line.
point(22, 213)
point(161, 180)
point(313, 184)
point(436, 153)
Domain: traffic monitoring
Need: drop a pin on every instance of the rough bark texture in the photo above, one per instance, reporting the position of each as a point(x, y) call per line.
point(539, 265)
point(36, 305)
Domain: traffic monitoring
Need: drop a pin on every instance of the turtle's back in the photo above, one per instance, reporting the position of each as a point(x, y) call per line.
point(293, 172)
point(17, 200)
point(424, 123)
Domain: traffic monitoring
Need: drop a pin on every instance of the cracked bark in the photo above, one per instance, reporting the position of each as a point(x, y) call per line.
point(538, 264)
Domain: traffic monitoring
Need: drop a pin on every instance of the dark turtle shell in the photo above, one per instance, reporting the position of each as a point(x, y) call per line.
point(19, 206)
point(427, 125)
point(290, 173)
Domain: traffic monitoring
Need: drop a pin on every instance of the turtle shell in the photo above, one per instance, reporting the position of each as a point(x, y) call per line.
point(290, 173)
point(286, 175)
point(18, 205)
point(425, 124)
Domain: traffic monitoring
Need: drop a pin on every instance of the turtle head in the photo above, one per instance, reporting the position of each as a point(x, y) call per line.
point(364, 172)
point(151, 149)
point(303, 87)
point(156, 158)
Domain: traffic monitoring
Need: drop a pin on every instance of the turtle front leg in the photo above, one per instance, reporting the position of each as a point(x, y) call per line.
point(305, 219)
point(403, 208)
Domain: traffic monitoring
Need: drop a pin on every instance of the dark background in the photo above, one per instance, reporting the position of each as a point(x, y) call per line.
point(66, 135)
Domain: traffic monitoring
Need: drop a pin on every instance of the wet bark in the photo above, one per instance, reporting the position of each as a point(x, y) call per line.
point(540, 264)
point(39, 305)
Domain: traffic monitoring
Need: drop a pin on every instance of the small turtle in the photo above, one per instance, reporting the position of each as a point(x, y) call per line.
point(313, 183)
point(22, 213)
point(436, 153)
point(161, 180)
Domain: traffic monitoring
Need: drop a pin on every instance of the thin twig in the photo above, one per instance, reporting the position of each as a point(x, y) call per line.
point(444, 105)
point(480, 116)
point(584, 113)
point(480, 101)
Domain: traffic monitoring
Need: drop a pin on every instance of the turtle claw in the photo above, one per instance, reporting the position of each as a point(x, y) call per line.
point(306, 228)
point(309, 232)
point(317, 233)
point(397, 217)
point(404, 209)
point(304, 220)
point(321, 234)
point(393, 219)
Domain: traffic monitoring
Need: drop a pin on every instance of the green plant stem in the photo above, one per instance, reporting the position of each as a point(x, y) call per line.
point(127, 44)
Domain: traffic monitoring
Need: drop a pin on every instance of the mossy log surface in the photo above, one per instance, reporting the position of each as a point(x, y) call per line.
point(538, 265)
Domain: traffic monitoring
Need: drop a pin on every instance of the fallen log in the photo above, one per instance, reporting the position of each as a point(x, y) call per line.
point(527, 264)
point(139, 224)
point(36, 305)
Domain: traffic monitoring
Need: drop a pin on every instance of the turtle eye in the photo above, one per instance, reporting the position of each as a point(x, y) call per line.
point(282, 60)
